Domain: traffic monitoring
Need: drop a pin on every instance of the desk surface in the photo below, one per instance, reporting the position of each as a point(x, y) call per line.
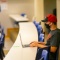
point(18, 18)
point(28, 34)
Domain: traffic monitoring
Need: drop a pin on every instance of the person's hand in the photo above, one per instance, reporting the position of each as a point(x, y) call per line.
point(33, 44)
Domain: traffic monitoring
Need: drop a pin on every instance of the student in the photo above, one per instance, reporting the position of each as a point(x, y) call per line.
point(53, 38)
point(1, 57)
point(2, 38)
point(47, 26)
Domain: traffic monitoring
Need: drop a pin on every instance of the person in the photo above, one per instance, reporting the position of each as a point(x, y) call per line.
point(2, 38)
point(47, 26)
point(1, 57)
point(53, 38)
point(54, 12)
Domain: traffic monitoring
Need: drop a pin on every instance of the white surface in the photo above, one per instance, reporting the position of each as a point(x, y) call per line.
point(28, 32)
point(17, 52)
point(18, 18)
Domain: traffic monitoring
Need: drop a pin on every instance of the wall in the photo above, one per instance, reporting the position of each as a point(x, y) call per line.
point(21, 6)
point(49, 5)
point(58, 13)
point(5, 21)
point(16, 7)
point(39, 9)
point(58, 18)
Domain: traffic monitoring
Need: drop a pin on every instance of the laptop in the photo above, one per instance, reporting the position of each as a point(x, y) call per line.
point(24, 46)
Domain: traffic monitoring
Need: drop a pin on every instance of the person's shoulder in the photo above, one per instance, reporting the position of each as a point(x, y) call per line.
point(55, 32)
point(58, 30)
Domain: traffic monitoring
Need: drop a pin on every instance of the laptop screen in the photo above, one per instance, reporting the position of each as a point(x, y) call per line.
point(26, 45)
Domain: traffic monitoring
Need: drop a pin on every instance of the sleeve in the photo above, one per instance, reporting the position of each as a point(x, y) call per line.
point(55, 40)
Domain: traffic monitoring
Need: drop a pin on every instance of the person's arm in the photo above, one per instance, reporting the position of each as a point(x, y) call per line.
point(53, 49)
point(43, 43)
point(55, 42)
point(37, 44)
point(41, 46)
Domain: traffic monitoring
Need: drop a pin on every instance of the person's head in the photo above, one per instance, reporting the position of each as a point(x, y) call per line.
point(50, 20)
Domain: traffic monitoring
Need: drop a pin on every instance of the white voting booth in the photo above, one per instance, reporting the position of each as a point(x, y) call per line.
point(21, 50)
